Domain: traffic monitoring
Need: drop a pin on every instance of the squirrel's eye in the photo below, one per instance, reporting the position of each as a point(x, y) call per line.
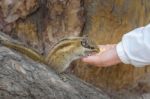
point(83, 43)
point(87, 44)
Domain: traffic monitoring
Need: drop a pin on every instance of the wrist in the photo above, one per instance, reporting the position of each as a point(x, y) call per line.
point(121, 53)
point(110, 57)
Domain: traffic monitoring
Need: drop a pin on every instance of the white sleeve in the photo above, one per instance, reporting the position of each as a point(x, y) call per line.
point(135, 47)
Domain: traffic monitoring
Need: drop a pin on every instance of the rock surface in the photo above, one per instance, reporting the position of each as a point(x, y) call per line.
point(22, 78)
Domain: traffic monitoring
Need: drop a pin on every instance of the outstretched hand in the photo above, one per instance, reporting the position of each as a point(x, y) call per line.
point(106, 57)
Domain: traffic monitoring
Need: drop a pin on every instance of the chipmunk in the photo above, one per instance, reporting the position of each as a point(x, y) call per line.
point(60, 56)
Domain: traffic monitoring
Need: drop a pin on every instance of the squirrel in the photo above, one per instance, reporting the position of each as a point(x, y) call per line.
point(60, 56)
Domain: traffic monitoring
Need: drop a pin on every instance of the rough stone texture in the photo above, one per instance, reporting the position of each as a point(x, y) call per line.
point(22, 78)
point(12, 10)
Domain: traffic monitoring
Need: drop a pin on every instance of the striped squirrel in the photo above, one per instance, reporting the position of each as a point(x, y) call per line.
point(60, 56)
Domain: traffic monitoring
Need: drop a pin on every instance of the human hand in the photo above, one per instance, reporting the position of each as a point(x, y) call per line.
point(106, 57)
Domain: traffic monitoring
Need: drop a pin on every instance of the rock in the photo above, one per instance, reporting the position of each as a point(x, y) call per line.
point(22, 78)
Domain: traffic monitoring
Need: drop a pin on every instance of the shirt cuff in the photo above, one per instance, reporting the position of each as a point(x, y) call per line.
point(121, 53)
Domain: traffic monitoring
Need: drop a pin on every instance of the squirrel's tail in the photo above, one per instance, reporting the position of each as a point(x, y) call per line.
point(5, 40)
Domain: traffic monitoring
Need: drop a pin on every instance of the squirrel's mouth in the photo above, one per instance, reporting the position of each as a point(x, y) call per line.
point(96, 50)
point(92, 52)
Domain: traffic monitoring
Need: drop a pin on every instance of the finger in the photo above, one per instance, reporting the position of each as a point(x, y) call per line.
point(94, 59)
